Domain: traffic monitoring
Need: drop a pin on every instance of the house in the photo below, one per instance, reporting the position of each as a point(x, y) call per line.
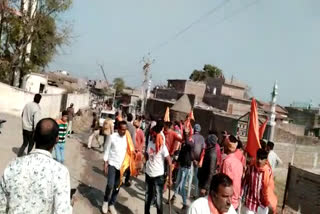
point(281, 112)
point(224, 87)
point(181, 108)
point(309, 117)
point(35, 83)
point(188, 87)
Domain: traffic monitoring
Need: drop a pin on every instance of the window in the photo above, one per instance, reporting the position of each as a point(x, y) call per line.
point(41, 89)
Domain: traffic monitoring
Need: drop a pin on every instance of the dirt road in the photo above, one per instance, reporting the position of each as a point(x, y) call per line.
point(85, 167)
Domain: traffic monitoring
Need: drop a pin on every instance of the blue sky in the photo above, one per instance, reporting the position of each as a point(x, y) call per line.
point(271, 40)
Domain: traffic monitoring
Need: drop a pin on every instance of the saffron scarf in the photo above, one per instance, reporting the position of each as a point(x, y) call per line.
point(213, 209)
point(129, 159)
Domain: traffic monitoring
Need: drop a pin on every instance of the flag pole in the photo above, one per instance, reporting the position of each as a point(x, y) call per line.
point(169, 189)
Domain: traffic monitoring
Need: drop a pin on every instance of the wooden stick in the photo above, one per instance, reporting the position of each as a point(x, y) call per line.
point(169, 188)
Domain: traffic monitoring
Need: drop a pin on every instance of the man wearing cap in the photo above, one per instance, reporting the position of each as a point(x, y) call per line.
point(232, 167)
point(209, 166)
point(198, 149)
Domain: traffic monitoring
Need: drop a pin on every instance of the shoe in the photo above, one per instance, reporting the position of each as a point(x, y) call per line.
point(105, 207)
point(112, 210)
point(128, 184)
point(184, 209)
point(173, 199)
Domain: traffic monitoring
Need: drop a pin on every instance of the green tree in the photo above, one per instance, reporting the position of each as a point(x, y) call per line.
point(208, 71)
point(20, 27)
point(118, 85)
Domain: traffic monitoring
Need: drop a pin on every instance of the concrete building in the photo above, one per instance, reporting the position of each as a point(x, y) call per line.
point(188, 87)
point(35, 83)
point(232, 105)
point(310, 118)
point(224, 87)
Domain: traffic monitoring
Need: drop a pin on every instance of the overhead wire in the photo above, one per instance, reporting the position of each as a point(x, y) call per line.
point(225, 18)
point(182, 31)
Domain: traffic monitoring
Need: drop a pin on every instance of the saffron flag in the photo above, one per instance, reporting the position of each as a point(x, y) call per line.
point(191, 116)
point(167, 115)
point(129, 159)
point(253, 143)
point(262, 129)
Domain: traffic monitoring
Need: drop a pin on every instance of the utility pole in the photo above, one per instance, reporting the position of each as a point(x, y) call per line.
point(146, 84)
point(272, 121)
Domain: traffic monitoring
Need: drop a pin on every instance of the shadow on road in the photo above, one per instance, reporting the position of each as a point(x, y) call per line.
point(15, 150)
point(98, 171)
point(95, 196)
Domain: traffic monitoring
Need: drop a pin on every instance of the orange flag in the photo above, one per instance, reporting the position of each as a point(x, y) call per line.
point(167, 115)
point(191, 116)
point(253, 143)
point(128, 161)
point(263, 128)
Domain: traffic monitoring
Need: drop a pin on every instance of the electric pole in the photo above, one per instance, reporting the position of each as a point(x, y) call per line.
point(146, 84)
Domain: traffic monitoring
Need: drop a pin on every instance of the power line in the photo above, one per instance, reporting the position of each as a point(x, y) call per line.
point(236, 12)
point(210, 12)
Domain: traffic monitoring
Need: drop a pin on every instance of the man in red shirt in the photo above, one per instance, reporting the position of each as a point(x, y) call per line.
point(171, 138)
point(233, 167)
point(140, 145)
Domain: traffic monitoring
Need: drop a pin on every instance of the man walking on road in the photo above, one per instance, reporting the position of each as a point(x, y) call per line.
point(114, 155)
point(70, 119)
point(59, 148)
point(107, 130)
point(198, 149)
point(30, 116)
point(132, 131)
point(273, 158)
point(36, 183)
point(156, 155)
point(94, 131)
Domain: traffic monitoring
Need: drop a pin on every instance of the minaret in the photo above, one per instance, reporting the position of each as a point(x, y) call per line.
point(272, 121)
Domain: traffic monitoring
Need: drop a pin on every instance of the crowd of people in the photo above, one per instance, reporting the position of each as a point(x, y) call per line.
point(177, 154)
point(214, 172)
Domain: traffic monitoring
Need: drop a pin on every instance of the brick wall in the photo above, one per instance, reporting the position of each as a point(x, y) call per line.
point(178, 85)
point(157, 108)
point(196, 88)
point(216, 101)
point(292, 128)
point(238, 107)
point(284, 136)
point(166, 94)
point(232, 91)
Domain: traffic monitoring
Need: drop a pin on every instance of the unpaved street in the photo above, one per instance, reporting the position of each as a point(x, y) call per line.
point(85, 167)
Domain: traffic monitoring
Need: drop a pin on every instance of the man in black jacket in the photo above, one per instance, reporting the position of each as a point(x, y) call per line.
point(185, 160)
point(209, 165)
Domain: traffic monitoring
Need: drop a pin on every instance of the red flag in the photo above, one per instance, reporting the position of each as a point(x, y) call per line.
point(263, 128)
point(253, 143)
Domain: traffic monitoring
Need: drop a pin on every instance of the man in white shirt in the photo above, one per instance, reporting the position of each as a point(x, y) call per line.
point(219, 199)
point(30, 116)
point(114, 155)
point(156, 155)
point(36, 183)
point(273, 158)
